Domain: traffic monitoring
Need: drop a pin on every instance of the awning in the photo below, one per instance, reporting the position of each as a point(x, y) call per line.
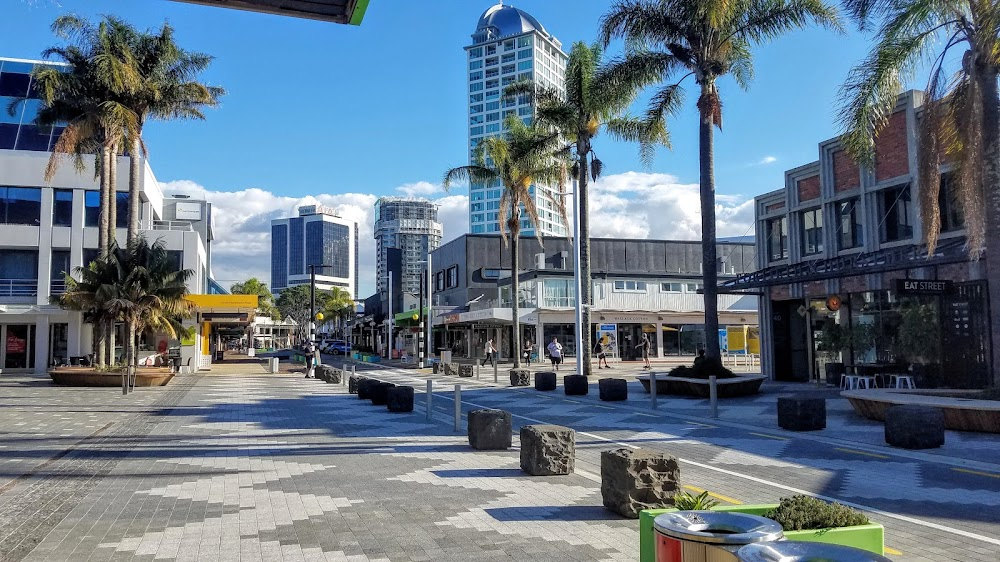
point(881, 261)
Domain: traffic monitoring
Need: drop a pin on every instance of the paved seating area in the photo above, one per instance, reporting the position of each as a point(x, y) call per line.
point(277, 467)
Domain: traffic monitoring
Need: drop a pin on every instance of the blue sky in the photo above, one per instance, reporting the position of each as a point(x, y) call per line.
point(315, 107)
point(340, 115)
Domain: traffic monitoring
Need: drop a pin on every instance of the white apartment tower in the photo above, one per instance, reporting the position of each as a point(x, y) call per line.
point(411, 226)
point(509, 45)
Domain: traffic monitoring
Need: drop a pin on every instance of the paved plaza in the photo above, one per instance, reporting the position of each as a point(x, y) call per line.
point(251, 466)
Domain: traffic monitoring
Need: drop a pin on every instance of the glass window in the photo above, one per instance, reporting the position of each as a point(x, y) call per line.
point(62, 207)
point(670, 287)
point(951, 211)
point(896, 210)
point(812, 232)
point(20, 205)
point(777, 238)
point(851, 233)
point(631, 286)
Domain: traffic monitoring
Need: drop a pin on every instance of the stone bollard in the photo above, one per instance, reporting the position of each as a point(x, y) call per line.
point(490, 430)
point(365, 388)
point(547, 450)
point(797, 413)
point(520, 377)
point(380, 393)
point(634, 480)
point(465, 371)
point(914, 427)
point(545, 380)
point(613, 390)
point(400, 399)
point(575, 385)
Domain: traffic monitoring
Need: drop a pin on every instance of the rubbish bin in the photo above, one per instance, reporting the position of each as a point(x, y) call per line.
point(801, 551)
point(709, 536)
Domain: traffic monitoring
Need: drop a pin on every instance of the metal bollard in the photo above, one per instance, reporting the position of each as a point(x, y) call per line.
point(652, 389)
point(430, 395)
point(713, 396)
point(458, 408)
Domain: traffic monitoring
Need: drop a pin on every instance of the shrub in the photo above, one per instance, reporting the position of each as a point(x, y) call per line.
point(804, 512)
point(686, 502)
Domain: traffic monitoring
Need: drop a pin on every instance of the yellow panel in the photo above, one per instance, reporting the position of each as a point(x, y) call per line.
point(223, 301)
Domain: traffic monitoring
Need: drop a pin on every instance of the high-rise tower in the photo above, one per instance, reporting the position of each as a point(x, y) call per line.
point(509, 45)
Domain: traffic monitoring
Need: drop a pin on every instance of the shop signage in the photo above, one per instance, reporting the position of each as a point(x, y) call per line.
point(923, 287)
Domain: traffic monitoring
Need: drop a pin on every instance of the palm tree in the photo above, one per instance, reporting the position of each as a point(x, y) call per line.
point(668, 41)
point(265, 300)
point(520, 158)
point(591, 101)
point(961, 117)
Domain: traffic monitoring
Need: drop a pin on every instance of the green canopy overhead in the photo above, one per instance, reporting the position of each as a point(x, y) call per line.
point(336, 11)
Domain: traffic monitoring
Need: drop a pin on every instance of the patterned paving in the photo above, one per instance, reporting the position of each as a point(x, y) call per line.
point(265, 467)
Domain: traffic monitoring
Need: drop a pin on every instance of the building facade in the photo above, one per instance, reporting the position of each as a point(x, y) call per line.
point(49, 228)
point(840, 250)
point(411, 226)
point(640, 287)
point(318, 236)
point(510, 45)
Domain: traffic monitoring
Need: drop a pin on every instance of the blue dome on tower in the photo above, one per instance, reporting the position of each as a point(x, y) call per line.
point(502, 21)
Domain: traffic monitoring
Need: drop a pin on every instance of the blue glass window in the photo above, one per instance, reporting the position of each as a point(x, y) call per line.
point(296, 246)
point(279, 256)
point(20, 205)
point(62, 207)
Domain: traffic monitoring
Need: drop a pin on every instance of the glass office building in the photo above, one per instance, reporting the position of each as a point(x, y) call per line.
point(509, 45)
point(318, 236)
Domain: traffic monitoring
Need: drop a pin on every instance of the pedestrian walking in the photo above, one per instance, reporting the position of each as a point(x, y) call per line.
point(490, 351)
point(555, 352)
point(528, 348)
point(310, 360)
point(643, 347)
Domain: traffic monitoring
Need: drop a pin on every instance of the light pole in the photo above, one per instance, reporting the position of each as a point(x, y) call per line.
point(312, 300)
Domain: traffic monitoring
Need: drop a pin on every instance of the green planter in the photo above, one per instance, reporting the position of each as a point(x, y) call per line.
point(866, 537)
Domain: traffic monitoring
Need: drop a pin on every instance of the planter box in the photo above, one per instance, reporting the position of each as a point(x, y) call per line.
point(739, 385)
point(866, 537)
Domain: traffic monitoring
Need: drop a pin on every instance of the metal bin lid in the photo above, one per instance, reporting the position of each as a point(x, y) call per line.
point(801, 551)
point(717, 527)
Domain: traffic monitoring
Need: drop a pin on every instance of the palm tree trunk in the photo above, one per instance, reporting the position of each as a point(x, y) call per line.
point(586, 285)
point(991, 180)
point(135, 176)
point(515, 285)
point(708, 249)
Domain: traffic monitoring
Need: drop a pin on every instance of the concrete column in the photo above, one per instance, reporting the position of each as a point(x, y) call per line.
point(659, 340)
point(74, 335)
point(41, 343)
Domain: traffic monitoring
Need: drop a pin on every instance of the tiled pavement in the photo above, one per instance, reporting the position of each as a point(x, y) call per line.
point(264, 467)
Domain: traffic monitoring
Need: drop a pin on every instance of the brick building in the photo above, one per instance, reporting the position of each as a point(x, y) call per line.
point(840, 248)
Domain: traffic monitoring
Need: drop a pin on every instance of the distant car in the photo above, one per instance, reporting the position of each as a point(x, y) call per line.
point(338, 347)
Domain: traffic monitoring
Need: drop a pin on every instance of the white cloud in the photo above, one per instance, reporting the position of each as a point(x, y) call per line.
point(767, 160)
point(242, 245)
point(628, 205)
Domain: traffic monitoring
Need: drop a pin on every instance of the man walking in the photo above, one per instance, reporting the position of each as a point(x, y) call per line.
point(490, 351)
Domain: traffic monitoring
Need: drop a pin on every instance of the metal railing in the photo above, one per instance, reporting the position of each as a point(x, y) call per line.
point(18, 287)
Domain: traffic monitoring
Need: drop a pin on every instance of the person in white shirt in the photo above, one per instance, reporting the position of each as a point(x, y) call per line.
point(555, 352)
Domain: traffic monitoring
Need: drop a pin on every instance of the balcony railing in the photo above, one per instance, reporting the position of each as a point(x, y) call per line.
point(18, 288)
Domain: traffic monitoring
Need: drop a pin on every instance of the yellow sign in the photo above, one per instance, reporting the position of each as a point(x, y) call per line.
point(224, 301)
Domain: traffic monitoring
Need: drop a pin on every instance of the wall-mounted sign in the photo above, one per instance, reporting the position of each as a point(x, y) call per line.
point(188, 211)
point(923, 287)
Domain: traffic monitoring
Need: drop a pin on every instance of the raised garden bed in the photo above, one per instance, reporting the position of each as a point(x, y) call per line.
point(85, 376)
point(869, 537)
point(740, 385)
point(960, 414)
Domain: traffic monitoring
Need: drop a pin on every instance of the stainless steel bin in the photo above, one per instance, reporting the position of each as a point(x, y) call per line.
point(801, 551)
point(709, 536)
